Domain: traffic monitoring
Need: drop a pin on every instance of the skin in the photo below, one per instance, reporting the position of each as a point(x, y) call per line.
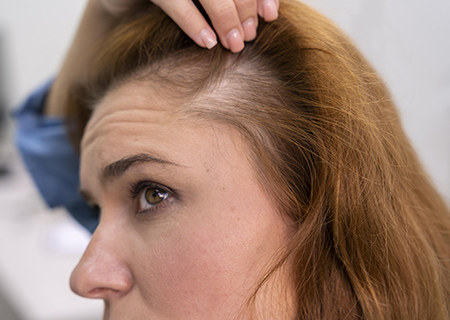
point(200, 252)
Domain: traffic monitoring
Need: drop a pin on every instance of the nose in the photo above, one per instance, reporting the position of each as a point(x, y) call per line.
point(102, 272)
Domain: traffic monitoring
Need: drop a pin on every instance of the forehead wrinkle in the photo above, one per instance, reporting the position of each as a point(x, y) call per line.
point(127, 114)
point(105, 121)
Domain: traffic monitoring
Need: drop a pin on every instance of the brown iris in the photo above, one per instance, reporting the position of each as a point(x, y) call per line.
point(154, 196)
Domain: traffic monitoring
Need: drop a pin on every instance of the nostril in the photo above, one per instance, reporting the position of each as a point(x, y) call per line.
point(96, 291)
point(102, 293)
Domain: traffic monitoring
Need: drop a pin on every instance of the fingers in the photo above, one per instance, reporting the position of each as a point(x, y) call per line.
point(234, 21)
point(225, 19)
point(190, 20)
point(268, 9)
point(248, 17)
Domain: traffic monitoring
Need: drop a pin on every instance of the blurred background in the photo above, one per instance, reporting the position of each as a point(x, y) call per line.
point(408, 42)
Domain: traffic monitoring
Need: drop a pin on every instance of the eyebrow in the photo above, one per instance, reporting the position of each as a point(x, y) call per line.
point(119, 167)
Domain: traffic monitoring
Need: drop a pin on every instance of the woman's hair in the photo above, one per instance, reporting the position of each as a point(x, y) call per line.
point(370, 234)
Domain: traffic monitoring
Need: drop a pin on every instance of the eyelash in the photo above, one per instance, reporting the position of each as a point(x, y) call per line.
point(137, 189)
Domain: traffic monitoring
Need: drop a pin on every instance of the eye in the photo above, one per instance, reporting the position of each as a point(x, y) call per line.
point(151, 197)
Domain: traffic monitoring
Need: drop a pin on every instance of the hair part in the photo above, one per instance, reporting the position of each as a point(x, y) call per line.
point(371, 236)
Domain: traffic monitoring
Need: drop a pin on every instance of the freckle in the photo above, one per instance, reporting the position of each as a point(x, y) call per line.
point(207, 169)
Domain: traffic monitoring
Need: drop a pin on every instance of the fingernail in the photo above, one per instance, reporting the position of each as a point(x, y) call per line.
point(209, 38)
point(270, 10)
point(249, 27)
point(235, 41)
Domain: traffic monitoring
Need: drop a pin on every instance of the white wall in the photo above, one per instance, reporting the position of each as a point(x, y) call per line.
point(408, 41)
point(36, 35)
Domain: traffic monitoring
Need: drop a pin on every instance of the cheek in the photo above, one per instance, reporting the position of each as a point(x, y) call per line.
point(205, 269)
point(189, 274)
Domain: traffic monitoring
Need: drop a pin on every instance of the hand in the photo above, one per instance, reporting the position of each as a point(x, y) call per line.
point(234, 21)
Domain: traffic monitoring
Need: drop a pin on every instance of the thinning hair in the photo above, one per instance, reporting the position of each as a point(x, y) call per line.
point(370, 234)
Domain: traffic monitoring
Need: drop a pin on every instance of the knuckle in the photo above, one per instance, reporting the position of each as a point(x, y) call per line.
point(248, 5)
point(224, 11)
point(246, 9)
point(190, 16)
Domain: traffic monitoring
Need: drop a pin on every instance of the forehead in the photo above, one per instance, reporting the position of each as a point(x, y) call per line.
point(136, 118)
point(127, 100)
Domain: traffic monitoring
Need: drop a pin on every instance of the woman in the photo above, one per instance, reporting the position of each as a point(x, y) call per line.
point(42, 136)
point(276, 183)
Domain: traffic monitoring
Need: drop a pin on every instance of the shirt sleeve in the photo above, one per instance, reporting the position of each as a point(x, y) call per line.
point(50, 158)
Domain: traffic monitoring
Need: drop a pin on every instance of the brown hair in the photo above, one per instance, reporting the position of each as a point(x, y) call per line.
point(371, 235)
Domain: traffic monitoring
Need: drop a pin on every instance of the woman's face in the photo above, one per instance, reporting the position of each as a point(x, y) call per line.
point(186, 231)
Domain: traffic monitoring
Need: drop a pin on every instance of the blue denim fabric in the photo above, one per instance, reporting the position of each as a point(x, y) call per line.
point(50, 158)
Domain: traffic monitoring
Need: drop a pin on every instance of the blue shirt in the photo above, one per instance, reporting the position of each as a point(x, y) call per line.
point(50, 158)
